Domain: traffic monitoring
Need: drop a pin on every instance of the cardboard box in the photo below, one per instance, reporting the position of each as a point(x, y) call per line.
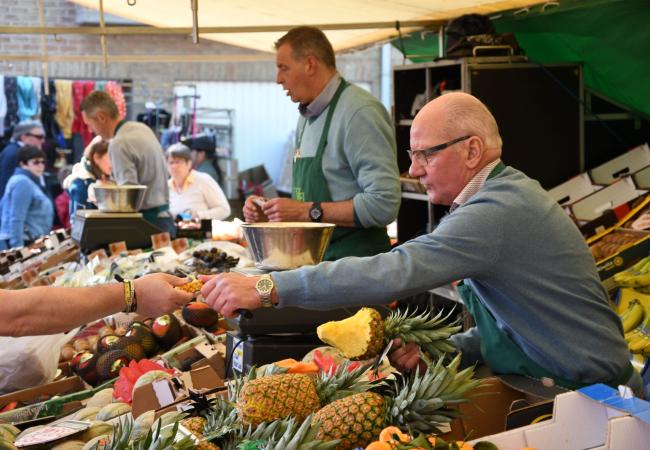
point(573, 190)
point(61, 387)
point(595, 417)
point(486, 413)
point(626, 257)
point(626, 164)
point(610, 197)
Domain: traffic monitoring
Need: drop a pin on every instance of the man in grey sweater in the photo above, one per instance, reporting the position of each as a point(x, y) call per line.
point(530, 281)
point(136, 156)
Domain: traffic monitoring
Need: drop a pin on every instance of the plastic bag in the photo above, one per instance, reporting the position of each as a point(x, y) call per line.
point(29, 361)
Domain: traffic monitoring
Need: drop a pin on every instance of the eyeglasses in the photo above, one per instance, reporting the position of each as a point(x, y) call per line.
point(422, 156)
point(36, 136)
point(36, 162)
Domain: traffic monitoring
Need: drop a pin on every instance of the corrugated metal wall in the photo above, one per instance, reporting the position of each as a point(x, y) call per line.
point(264, 118)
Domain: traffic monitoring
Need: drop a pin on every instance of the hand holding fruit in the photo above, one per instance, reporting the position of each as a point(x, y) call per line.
point(228, 292)
point(253, 209)
point(156, 294)
point(406, 357)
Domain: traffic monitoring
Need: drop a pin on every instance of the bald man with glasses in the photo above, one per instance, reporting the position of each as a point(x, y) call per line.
point(529, 279)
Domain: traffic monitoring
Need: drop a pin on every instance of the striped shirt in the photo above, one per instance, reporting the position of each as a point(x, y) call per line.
point(475, 184)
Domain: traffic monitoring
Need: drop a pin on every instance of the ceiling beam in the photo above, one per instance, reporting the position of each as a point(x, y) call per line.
point(144, 30)
point(262, 57)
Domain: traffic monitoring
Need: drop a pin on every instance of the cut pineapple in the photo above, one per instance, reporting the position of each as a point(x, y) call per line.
point(358, 337)
point(364, 335)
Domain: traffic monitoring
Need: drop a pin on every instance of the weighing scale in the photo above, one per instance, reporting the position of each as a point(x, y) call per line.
point(93, 229)
point(273, 334)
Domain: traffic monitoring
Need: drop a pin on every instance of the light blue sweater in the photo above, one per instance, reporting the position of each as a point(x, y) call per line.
point(524, 258)
point(359, 161)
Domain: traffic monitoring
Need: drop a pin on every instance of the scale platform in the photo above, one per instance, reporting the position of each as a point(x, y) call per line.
point(93, 229)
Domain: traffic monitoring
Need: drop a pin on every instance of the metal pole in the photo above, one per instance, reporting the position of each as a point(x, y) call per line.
point(46, 78)
point(195, 21)
point(102, 39)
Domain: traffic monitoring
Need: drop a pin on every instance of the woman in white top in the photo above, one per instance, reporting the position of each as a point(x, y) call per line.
point(192, 192)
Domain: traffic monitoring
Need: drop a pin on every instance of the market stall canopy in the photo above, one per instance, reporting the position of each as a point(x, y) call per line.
point(610, 37)
point(273, 13)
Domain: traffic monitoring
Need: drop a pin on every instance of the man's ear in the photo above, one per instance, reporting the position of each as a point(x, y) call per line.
point(311, 65)
point(475, 151)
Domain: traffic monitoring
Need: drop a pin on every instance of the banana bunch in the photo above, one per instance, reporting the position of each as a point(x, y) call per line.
point(632, 316)
point(636, 276)
point(637, 336)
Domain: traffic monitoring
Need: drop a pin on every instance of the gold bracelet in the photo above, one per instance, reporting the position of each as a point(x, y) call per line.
point(130, 300)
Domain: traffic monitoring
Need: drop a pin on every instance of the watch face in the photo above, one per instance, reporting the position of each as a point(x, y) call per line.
point(315, 213)
point(264, 285)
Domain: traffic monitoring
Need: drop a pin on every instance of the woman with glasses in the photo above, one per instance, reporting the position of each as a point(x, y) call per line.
point(26, 210)
point(25, 133)
point(95, 167)
point(193, 194)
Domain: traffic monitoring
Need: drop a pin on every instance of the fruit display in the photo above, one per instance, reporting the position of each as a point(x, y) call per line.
point(365, 334)
point(613, 242)
point(637, 276)
point(213, 261)
point(200, 314)
point(167, 330)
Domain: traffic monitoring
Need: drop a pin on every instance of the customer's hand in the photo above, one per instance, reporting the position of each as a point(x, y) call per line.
point(252, 209)
point(286, 210)
point(406, 357)
point(156, 295)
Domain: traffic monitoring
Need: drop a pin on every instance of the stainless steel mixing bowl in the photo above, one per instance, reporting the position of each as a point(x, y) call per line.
point(126, 198)
point(287, 245)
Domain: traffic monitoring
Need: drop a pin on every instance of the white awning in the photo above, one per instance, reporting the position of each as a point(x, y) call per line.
point(359, 14)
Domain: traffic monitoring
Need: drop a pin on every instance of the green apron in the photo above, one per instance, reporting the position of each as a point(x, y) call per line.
point(310, 185)
point(501, 353)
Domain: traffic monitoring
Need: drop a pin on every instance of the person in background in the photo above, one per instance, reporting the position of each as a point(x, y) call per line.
point(95, 165)
point(26, 211)
point(62, 201)
point(192, 192)
point(25, 133)
point(136, 156)
point(529, 279)
point(48, 310)
point(345, 168)
point(204, 155)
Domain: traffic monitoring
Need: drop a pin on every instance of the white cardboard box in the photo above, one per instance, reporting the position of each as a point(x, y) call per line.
point(623, 165)
point(594, 205)
point(574, 189)
point(580, 423)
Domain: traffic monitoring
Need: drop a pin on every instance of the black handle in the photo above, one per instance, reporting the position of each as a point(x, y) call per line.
point(245, 313)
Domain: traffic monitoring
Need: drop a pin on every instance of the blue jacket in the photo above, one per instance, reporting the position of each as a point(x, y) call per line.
point(8, 163)
point(26, 211)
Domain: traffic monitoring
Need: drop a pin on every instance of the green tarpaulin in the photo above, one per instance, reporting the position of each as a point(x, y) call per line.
point(610, 37)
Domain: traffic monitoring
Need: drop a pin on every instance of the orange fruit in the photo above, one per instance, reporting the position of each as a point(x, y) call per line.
point(388, 435)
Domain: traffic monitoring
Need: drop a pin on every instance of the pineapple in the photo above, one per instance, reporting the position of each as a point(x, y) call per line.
point(277, 397)
point(280, 396)
point(417, 404)
point(364, 335)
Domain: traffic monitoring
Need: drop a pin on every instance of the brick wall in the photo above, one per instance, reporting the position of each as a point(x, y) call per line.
point(151, 81)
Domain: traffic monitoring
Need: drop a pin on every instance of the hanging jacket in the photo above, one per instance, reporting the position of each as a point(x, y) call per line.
point(11, 95)
point(48, 111)
point(27, 99)
point(64, 110)
point(80, 89)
